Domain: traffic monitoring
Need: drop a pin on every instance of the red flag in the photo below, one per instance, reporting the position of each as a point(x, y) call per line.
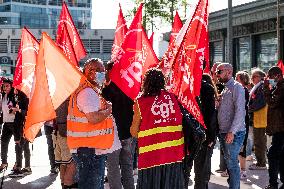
point(65, 43)
point(151, 39)
point(135, 56)
point(78, 46)
point(121, 29)
point(188, 65)
point(55, 79)
point(26, 61)
point(177, 25)
point(281, 66)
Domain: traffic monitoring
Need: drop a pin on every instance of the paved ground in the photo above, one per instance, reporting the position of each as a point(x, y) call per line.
point(41, 178)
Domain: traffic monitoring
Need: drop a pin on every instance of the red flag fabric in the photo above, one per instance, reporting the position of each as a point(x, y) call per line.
point(281, 66)
point(135, 56)
point(121, 29)
point(26, 61)
point(65, 17)
point(177, 25)
point(55, 79)
point(151, 39)
point(65, 43)
point(188, 64)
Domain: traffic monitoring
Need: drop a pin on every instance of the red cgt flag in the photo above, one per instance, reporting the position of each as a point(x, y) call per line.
point(121, 29)
point(135, 56)
point(65, 43)
point(177, 25)
point(188, 64)
point(281, 66)
point(55, 79)
point(66, 18)
point(26, 61)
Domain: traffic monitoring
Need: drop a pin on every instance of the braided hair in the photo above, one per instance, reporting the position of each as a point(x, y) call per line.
point(153, 83)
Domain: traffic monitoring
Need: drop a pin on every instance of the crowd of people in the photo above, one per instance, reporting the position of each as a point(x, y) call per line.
point(99, 127)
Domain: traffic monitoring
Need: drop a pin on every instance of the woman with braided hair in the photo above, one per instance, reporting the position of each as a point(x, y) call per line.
point(157, 123)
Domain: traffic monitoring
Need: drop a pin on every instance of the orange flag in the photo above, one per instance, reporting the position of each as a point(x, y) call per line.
point(26, 61)
point(121, 29)
point(65, 43)
point(135, 56)
point(55, 79)
point(177, 25)
point(65, 17)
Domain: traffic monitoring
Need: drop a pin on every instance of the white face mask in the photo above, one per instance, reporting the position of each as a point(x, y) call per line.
point(100, 78)
point(272, 82)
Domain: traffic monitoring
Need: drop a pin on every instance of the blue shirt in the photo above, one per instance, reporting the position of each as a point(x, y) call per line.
point(231, 111)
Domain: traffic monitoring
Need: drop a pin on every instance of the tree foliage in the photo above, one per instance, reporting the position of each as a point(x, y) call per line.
point(163, 9)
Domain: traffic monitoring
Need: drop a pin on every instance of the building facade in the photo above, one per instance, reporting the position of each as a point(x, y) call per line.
point(254, 35)
point(43, 15)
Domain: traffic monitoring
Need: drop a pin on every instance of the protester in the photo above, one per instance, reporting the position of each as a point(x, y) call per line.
point(157, 122)
point(274, 95)
point(90, 129)
point(202, 162)
point(258, 108)
point(222, 166)
point(14, 106)
point(48, 129)
point(243, 78)
point(231, 119)
point(120, 162)
point(63, 157)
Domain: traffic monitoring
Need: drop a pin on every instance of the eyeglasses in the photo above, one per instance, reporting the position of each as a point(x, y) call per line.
point(218, 72)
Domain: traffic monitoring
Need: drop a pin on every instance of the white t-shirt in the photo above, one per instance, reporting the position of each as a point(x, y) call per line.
point(84, 98)
point(7, 118)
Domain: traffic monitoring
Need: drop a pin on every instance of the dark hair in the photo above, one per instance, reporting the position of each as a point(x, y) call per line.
point(11, 94)
point(7, 80)
point(275, 70)
point(89, 61)
point(153, 83)
point(208, 79)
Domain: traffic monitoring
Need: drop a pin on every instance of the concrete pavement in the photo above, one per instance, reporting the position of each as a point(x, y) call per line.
point(41, 178)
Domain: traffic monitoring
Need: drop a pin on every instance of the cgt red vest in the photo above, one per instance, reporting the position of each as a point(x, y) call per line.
point(160, 137)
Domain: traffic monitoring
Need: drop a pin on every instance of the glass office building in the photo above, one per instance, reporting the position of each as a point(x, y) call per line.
point(43, 13)
point(254, 35)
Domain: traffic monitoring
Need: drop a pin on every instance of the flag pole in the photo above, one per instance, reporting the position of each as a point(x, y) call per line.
point(278, 30)
point(230, 33)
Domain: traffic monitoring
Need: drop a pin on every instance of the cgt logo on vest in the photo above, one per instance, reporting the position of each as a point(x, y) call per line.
point(163, 109)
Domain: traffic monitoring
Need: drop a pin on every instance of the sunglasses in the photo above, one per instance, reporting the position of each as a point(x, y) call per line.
point(219, 72)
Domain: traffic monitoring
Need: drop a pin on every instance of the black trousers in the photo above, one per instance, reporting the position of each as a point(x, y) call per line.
point(202, 167)
point(21, 147)
point(48, 133)
point(275, 159)
point(7, 132)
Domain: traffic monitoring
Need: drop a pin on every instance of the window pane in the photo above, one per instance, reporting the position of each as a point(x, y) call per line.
point(266, 50)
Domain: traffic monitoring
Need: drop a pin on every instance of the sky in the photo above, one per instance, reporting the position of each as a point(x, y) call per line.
point(105, 12)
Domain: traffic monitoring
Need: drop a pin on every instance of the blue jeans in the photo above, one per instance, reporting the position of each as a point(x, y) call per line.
point(231, 152)
point(90, 168)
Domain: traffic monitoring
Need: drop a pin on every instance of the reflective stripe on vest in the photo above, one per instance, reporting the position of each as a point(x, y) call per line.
point(90, 133)
point(77, 119)
point(159, 130)
point(161, 145)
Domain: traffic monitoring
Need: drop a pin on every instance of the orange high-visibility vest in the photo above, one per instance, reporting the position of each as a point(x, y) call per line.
point(82, 133)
